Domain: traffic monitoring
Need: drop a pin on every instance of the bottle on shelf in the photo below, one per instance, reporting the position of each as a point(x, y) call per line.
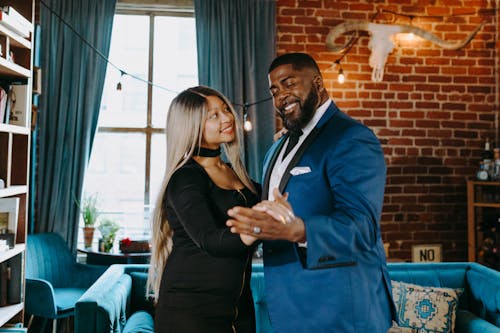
point(486, 162)
point(482, 173)
point(496, 164)
point(487, 154)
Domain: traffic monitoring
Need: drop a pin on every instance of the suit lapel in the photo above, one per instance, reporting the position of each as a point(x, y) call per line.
point(307, 142)
point(296, 158)
point(270, 166)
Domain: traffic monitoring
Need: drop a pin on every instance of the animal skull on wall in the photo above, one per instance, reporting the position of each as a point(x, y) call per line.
point(381, 42)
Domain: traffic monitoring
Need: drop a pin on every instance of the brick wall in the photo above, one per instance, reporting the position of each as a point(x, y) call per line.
point(432, 111)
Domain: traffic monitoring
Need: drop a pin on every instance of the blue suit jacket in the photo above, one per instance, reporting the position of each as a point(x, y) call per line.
point(340, 283)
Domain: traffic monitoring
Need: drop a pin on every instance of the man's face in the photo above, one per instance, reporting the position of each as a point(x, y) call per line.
point(295, 95)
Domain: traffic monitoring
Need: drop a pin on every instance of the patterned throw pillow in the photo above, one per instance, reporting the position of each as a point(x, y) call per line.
point(425, 309)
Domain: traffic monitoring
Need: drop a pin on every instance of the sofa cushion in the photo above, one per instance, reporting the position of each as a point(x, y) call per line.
point(139, 322)
point(138, 296)
point(426, 309)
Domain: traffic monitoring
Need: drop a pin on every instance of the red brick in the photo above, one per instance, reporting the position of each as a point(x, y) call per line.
point(412, 114)
point(413, 132)
point(292, 12)
point(427, 123)
point(401, 123)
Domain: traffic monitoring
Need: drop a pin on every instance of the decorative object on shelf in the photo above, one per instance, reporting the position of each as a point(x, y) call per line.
point(90, 213)
point(134, 246)
point(9, 238)
point(108, 229)
point(9, 212)
point(19, 112)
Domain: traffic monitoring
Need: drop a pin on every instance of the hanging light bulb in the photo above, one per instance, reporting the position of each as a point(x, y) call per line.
point(341, 77)
point(247, 124)
point(411, 35)
point(119, 84)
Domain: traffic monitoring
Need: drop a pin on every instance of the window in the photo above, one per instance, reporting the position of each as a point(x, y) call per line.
point(128, 157)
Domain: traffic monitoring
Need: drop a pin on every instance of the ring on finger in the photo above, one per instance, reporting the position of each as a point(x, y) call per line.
point(256, 230)
point(290, 217)
point(282, 219)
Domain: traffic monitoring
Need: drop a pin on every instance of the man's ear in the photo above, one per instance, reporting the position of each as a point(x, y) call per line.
point(318, 83)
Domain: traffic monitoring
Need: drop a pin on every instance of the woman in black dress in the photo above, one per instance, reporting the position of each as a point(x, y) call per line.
point(200, 271)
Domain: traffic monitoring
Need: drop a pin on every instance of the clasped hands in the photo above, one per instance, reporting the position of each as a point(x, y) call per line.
point(267, 220)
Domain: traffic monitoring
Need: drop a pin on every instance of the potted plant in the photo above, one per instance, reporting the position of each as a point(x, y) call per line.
point(90, 213)
point(108, 229)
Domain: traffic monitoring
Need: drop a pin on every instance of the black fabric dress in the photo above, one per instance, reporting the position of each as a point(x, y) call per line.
point(205, 286)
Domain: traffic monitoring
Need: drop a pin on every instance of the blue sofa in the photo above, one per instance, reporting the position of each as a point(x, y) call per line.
point(116, 302)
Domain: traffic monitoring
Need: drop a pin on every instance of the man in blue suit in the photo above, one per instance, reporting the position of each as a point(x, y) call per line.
point(324, 261)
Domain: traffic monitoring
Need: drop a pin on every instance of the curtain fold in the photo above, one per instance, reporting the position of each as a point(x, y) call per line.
point(236, 44)
point(72, 80)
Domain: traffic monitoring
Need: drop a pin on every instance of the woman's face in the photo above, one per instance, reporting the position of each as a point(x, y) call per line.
point(219, 125)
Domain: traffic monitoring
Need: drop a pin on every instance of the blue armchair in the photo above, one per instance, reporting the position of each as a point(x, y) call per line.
point(54, 280)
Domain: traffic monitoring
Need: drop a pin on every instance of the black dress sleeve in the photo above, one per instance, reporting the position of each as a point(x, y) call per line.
point(188, 195)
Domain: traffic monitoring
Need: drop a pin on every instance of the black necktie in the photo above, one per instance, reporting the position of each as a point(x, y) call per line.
point(292, 140)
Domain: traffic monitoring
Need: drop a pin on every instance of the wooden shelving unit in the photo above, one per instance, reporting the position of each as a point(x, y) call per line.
point(483, 207)
point(16, 60)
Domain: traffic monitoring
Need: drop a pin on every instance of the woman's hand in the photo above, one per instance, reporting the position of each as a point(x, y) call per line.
point(279, 134)
point(247, 239)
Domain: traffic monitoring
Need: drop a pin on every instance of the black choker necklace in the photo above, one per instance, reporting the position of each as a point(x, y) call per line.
point(206, 152)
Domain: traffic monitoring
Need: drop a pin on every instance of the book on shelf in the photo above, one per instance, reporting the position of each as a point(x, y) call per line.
point(9, 212)
point(12, 12)
point(15, 288)
point(19, 100)
point(13, 20)
point(4, 283)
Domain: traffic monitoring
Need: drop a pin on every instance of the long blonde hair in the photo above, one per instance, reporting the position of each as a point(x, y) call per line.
point(185, 122)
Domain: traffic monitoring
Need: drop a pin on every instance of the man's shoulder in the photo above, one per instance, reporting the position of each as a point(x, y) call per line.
point(341, 121)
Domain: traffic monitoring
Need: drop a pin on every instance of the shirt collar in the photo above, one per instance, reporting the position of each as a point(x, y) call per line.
point(317, 116)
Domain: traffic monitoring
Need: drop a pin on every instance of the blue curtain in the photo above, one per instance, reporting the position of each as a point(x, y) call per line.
point(72, 82)
point(236, 44)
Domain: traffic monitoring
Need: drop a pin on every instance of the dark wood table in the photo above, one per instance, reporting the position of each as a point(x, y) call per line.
point(95, 257)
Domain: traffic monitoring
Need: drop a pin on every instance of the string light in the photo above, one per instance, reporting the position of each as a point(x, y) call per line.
point(411, 35)
point(119, 84)
point(341, 76)
point(247, 124)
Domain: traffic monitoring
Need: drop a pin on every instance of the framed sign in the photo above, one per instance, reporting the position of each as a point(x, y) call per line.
point(426, 253)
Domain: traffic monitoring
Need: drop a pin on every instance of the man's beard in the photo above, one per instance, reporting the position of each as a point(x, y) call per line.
point(306, 113)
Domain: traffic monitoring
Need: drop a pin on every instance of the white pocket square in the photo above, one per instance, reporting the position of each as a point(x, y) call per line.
point(300, 171)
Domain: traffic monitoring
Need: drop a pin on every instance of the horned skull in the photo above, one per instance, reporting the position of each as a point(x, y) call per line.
point(381, 42)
